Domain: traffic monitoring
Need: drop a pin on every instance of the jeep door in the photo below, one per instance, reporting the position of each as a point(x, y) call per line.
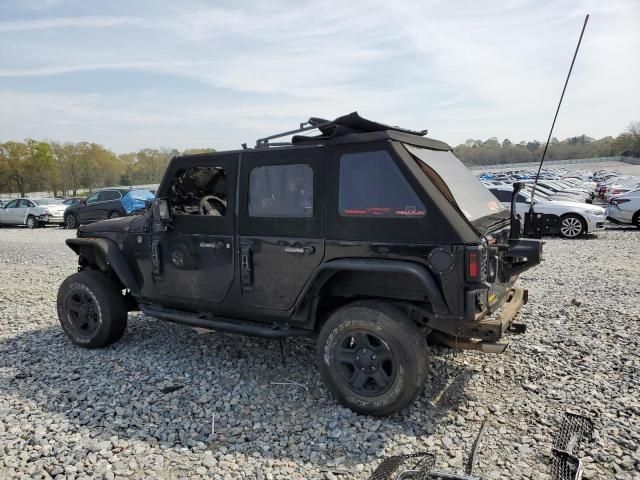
point(194, 256)
point(281, 225)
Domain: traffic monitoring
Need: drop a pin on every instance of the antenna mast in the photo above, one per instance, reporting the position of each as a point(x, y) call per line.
point(566, 82)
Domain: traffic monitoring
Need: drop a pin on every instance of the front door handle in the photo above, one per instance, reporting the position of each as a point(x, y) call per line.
point(300, 250)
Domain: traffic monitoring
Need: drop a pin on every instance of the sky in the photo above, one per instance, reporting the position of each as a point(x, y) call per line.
point(130, 74)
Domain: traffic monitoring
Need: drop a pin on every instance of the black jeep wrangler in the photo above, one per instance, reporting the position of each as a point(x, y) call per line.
point(372, 239)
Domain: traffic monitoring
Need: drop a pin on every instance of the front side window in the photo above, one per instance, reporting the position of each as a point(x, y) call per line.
point(199, 191)
point(24, 204)
point(92, 198)
point(281, 191)
point(372, 185)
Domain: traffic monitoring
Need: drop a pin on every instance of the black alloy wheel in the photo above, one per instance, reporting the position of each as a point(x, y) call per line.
point(365, 362)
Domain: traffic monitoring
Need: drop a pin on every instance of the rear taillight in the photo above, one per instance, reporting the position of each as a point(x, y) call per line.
point(476, 264)
point(618, 201)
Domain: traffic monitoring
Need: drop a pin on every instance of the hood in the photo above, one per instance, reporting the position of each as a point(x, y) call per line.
point(115, 225)
point(569, 204)
point(60, 209)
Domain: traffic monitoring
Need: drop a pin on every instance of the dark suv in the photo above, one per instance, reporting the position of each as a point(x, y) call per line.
point(372, 239)
point(100, 205)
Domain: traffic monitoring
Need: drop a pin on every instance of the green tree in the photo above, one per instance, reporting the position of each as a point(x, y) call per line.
point(15, 157)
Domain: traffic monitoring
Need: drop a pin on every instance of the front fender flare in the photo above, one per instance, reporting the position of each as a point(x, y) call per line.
point(107, 256)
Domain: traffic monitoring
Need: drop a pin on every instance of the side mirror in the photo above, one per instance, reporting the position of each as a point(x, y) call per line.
point(161, 214)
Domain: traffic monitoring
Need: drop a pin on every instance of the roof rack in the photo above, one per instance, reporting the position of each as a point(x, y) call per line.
point(329, 129)
point(304, 127)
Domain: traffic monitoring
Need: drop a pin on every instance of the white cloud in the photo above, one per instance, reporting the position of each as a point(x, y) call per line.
point(462, 70)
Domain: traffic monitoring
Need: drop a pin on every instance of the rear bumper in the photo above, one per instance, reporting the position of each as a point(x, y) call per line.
point(51, 219)
point(484, 333)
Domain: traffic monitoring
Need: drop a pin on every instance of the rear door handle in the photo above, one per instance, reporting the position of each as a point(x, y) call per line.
point(300, 250)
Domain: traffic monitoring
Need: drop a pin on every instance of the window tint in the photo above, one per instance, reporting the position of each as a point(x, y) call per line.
point(281, 191)
point(12, 204)
point(109, 195)
point(502, 195)
point(199, 191)
point(93, 197)
point(372, 185)
point(470, 195)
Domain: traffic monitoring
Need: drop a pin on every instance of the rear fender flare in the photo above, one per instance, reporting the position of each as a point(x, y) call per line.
point(107, 256)
point(418, 273)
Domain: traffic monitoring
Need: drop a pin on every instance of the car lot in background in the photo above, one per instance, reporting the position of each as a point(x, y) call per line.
point(101, 205)
point(73, 201)
point(33, 212)
point(569, 219)
point(625, 208)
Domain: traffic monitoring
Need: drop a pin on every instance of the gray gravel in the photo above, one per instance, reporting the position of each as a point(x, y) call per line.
point(145, 407)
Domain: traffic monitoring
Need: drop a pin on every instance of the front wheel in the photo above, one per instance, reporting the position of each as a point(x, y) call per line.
point(572, 226)
point(636, 219)
point(91, 309)
point(372, 358)
point(115, 214)
point(32, 222)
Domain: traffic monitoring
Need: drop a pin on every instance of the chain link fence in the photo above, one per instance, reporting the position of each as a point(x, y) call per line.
point(554, 163)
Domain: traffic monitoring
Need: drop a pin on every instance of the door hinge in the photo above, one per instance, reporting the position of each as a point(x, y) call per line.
point(155, 257)
point(246, 268)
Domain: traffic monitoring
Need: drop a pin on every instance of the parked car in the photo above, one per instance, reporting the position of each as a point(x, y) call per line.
point(568, 219)
point(33, 212)
point(101, 205)
point(369, 238)
point(625, 208)
point(73, 201)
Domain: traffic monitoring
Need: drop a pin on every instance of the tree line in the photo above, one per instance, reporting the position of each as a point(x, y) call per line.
point(67, 168)
point(493, 151)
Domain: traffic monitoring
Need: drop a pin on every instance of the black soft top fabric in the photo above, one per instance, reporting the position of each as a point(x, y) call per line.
point(348, 125)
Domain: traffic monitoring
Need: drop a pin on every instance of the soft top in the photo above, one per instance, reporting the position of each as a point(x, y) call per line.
point(348, 124)
point(354, 128)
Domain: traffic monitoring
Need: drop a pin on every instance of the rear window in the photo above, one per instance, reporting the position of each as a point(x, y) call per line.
point(372, 185)
point(48, 201)
point(470, 195)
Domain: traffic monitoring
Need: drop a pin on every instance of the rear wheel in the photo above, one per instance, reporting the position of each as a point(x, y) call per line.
point(572, 226)
point(71, 221)
point(636, 219)
point(372, 358)
point(32, 222)
point(91, 309)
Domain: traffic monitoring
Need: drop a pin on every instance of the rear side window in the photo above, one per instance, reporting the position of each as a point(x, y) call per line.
point(372, 185)
point(109, 195)
point(281, 191)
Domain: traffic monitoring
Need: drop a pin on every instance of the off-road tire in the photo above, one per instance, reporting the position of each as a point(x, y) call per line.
point(115, 214)
point(71, 221)
point(110, 318)
point(402, 338)
point(572, 226)
point(32, 222)
point(635, 220)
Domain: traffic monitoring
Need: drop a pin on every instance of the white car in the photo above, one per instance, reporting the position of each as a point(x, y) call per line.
point(625, 208)
point(569, 219)
point(33, 212)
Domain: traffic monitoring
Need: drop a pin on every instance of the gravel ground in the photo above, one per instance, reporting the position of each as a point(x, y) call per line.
point(168, 402)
